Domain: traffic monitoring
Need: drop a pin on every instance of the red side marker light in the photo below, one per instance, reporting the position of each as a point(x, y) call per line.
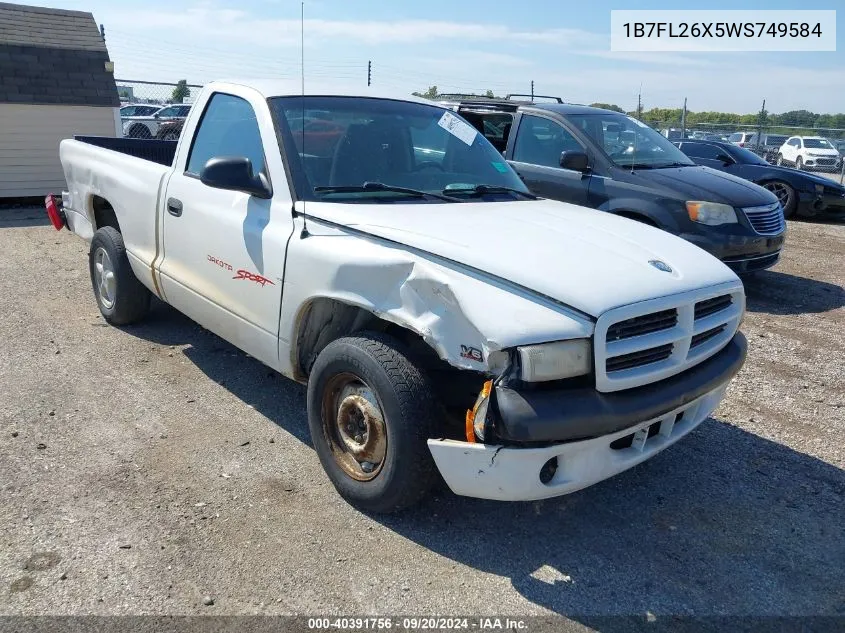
point(56, 215)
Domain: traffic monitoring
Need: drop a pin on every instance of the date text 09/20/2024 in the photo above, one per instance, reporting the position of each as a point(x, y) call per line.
point(416, 624)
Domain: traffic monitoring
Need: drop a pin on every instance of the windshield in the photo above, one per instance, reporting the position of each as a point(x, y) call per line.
point(341, 143)
point(628, 142)
point(817, 143)
point(747, 157)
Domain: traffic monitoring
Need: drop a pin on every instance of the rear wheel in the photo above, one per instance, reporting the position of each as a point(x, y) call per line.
point(139, 131)
point(122, 299)
point(785, 194)
point(370, 412)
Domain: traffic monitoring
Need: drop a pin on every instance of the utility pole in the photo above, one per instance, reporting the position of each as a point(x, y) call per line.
point(760, 125)
point(103, 31)
point(369, 72)
point(532, 90)
point(640, 104)
point(684, 120)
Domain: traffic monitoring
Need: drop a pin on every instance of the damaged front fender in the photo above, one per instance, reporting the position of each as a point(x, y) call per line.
point(334, 280)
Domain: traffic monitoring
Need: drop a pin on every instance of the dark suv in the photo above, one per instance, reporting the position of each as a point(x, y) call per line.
point(612, 162)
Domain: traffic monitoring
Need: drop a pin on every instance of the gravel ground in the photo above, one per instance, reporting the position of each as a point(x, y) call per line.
point(147, 468)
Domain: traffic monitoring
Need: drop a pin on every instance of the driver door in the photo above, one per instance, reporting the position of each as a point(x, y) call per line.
point(224, 250)
point(536, 158)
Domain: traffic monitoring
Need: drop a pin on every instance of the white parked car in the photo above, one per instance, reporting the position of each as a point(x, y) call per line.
point(809, 152)
point(138, 110)
point(147, 126)
point(444, 319)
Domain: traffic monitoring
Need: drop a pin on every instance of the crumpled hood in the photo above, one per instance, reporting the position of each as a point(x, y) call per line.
point(589, 260)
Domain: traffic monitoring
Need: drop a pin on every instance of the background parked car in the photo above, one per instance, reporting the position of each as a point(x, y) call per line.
point(768, 146)
point(809, 152)
point(840, 146)
point(137, 110)
point(798, 192)
point(147, 126)
point(170, 130)
point(612, 162)
point(740, 138)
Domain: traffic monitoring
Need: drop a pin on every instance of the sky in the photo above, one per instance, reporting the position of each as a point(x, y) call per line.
point(461, 46)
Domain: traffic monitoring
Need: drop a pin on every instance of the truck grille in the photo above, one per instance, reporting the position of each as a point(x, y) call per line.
point(766, 220)
point(643, 325)
point(647, 342)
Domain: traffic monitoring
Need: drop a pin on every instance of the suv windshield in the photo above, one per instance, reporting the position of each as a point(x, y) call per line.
point(339, 144)
point(817, 143)
point(629, 142)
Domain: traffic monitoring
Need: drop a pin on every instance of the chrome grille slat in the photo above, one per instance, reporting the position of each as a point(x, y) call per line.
point(766, 220)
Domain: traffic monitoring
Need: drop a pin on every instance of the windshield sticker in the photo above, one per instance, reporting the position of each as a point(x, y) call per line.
point(500, 167)
point(458, 128)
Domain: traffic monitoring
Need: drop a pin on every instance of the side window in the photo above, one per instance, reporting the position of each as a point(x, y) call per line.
point(540, 141)
point(736, 136)
point(702, 150)
point(228, 128)
point(799, 142)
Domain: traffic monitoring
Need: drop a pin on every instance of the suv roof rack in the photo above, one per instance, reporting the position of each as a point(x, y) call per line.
point(510, 96)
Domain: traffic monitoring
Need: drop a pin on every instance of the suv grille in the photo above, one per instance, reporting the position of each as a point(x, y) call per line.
point(766, 220)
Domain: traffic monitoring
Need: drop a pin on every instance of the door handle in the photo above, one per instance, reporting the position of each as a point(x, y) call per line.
point(174, 207)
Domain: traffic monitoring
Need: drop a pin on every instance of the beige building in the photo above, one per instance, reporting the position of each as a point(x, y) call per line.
point(56, 81)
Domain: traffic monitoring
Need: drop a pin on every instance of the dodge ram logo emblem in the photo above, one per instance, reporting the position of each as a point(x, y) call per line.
point(666, 268)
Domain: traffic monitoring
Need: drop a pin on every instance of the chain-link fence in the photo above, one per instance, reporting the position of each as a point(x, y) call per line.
point(153, 109)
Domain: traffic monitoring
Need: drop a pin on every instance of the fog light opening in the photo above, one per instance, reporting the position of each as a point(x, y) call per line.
point(547, 472)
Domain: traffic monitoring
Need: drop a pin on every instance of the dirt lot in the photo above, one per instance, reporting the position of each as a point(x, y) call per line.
point(146, 468)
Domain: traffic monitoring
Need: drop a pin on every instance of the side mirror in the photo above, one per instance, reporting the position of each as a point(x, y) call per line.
point(235, 174)
point(727, 160)
point(574, 160)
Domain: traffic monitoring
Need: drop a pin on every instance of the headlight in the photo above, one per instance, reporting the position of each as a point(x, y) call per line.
point(555, 361)
point(711, 213)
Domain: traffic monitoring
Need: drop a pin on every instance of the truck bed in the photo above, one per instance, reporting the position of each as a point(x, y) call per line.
point(161, 152)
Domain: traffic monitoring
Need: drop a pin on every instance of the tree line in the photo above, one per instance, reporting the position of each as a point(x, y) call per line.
point(793, 118)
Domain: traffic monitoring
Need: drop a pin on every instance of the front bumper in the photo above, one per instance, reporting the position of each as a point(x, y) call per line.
point(560, 415)
point(514, 474)
point(811, 203)
point(590, 435)
point(740, 251)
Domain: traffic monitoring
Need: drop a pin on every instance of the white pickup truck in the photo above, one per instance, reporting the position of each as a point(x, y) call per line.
point(444, 319)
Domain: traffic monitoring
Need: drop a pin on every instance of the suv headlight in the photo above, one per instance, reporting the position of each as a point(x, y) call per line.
point(711, 213)
point(555, 361)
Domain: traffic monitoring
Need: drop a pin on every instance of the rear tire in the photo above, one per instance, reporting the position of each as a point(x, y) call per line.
point(139, 131)
point(122, 299)
point(370, 412)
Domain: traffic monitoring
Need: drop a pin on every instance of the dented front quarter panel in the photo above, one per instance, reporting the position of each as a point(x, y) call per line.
point(455, 311)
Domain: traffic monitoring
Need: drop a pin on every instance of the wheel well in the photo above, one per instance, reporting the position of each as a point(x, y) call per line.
point(104, 214)
point(638, 217)
point(324, 320)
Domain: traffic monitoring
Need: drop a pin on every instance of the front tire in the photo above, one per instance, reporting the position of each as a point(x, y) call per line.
point(370, 412)
point(799, 164)
point(122, 299)
point(785, 194)
point(779, 160)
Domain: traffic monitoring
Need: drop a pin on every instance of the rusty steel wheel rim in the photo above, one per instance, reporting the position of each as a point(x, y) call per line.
point(353, 425)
